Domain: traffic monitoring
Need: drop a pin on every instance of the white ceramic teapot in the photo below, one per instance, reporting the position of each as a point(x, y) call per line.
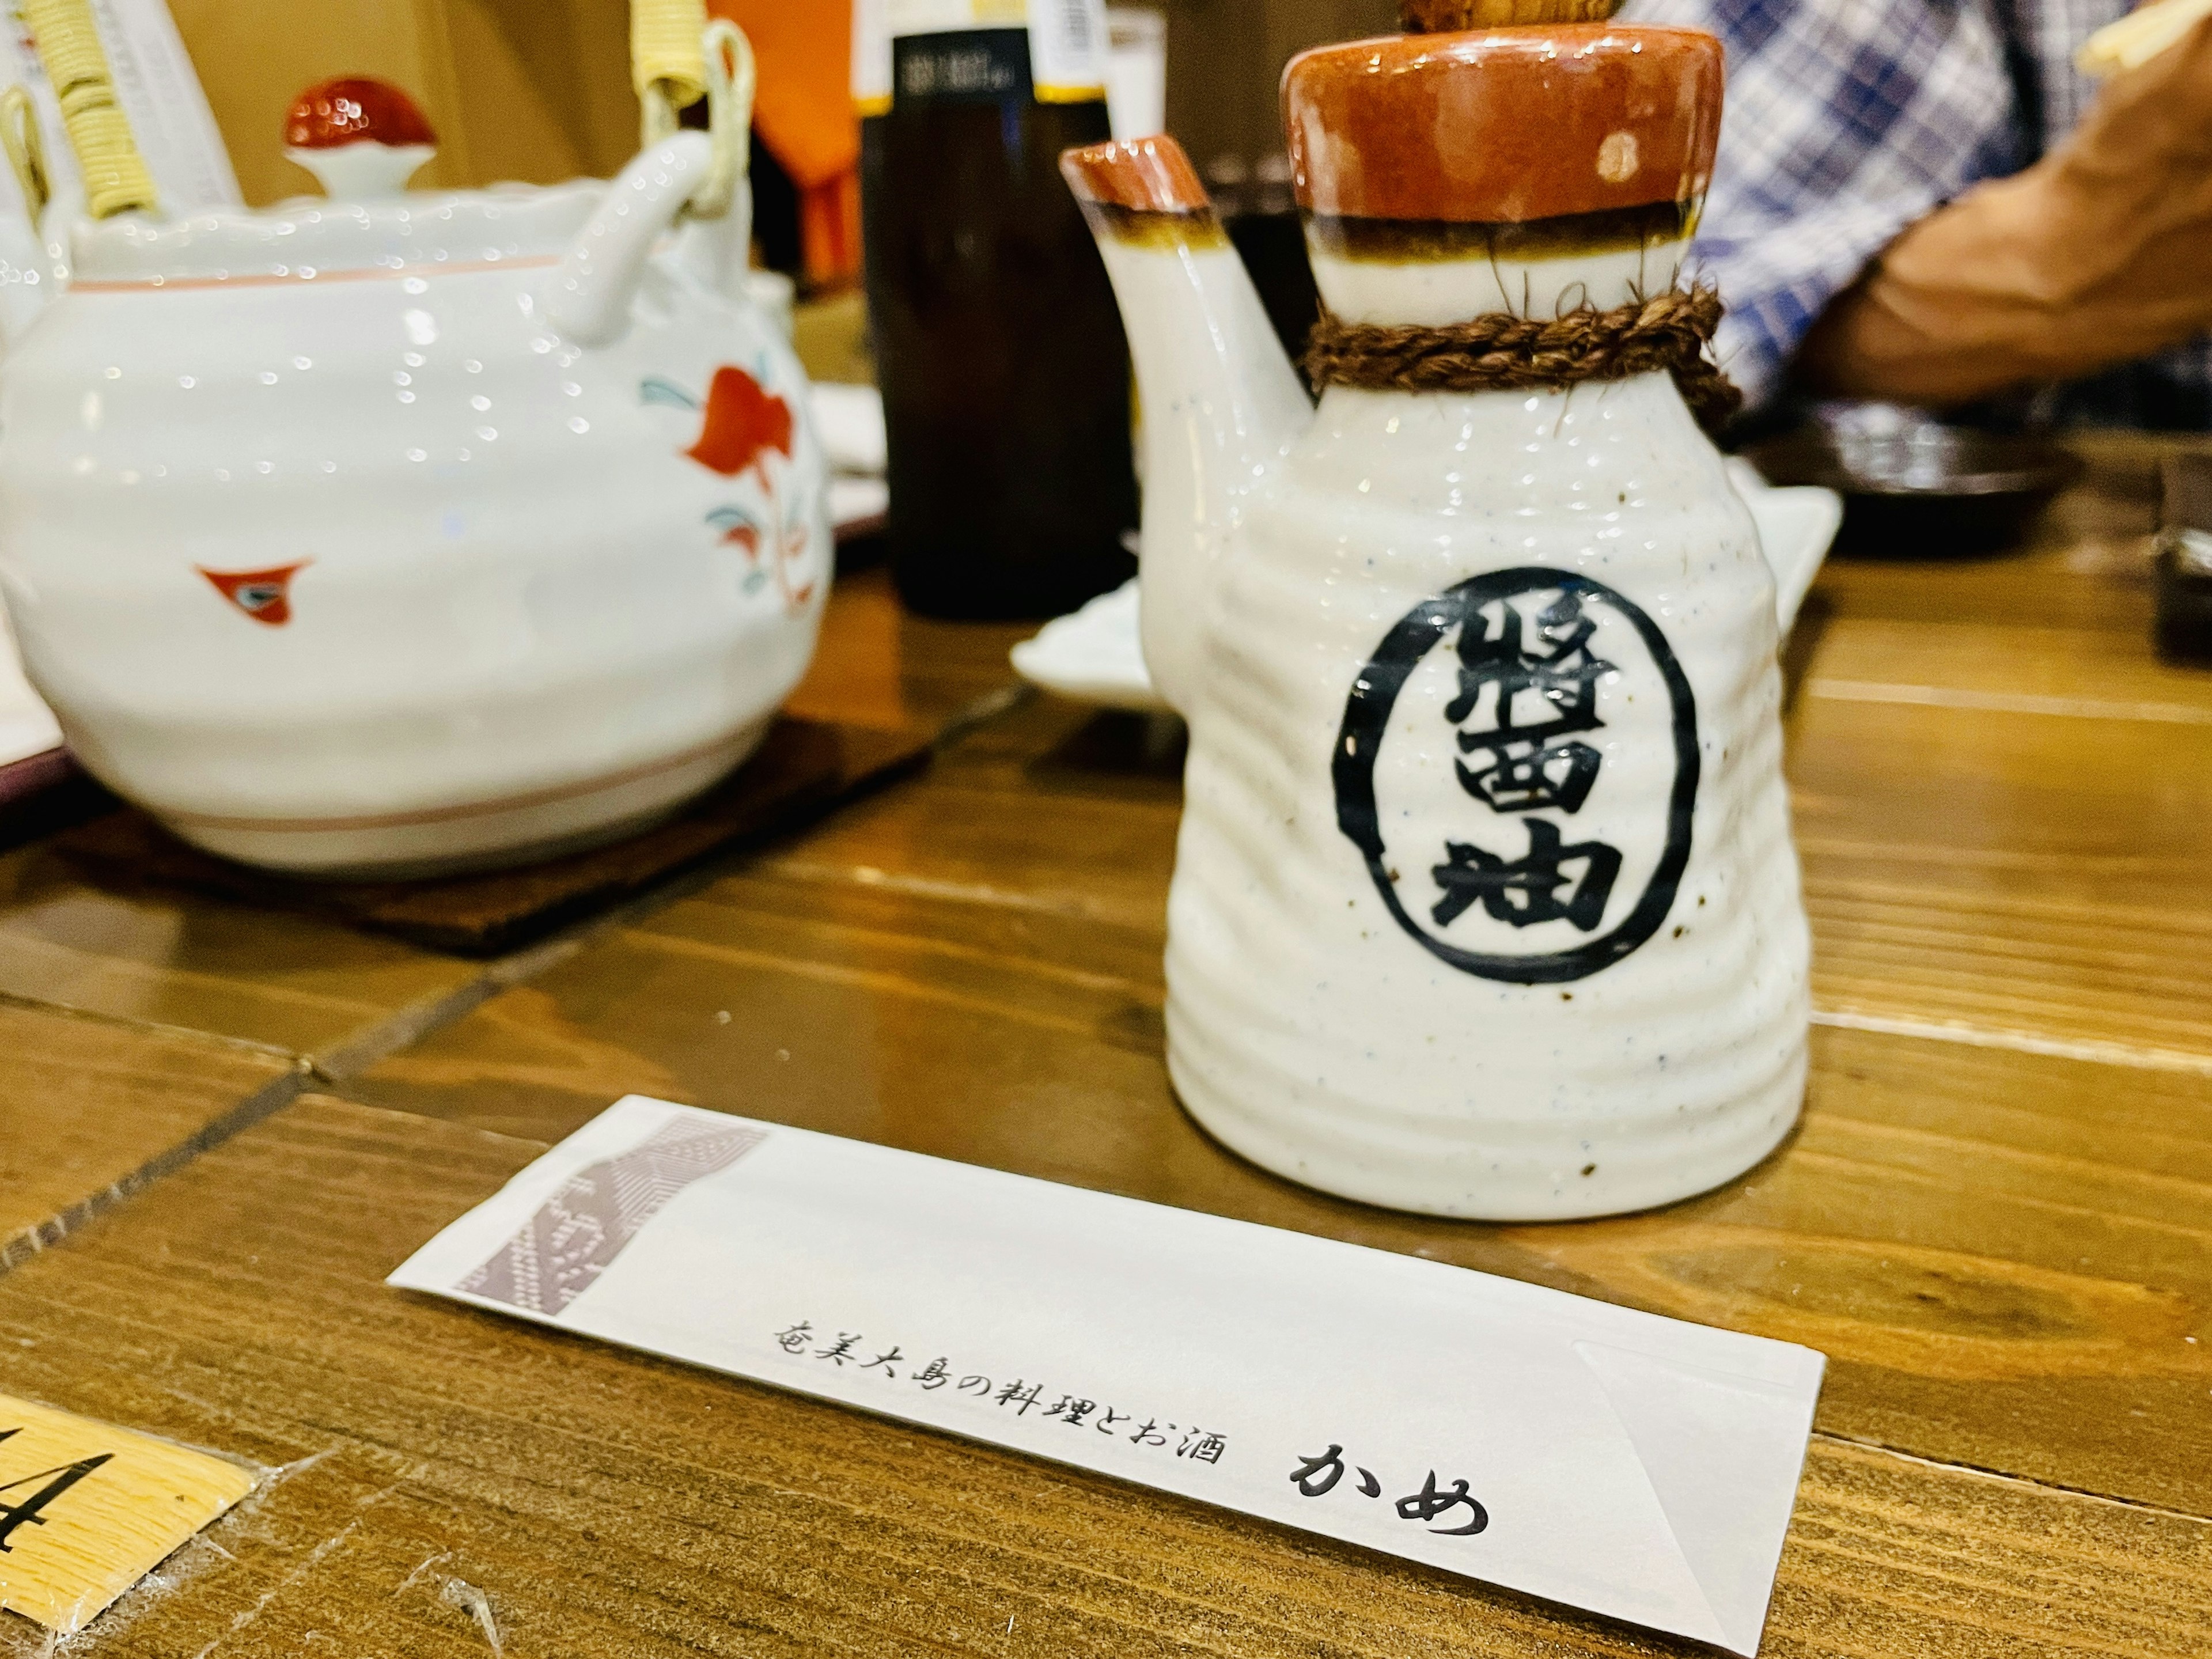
point(413, 532)
point(1485, 902)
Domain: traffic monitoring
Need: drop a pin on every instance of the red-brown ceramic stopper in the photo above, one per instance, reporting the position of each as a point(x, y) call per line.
point(1144, 175)
point(352, 109)
point(1142, 192)
point(1505, 125)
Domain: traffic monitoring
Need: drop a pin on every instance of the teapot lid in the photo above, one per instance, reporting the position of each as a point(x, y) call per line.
point(362, 138)
point(314, 239)
point(1507, 125)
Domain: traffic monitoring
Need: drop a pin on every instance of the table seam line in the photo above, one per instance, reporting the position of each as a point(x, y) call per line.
point(2142, 1506)
point(257, 1107)
point(332, 1070)
point(275, 1051)
point(1902, 694)
point(2090, 1050)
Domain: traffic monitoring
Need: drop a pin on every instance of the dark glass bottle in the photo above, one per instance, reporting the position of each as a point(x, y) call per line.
point(2182, 629)
point(998, 347)
point(1259, 212)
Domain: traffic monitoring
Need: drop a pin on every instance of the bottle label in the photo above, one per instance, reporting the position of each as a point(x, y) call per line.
point(960, 66)
point(1067, 51)
point(977, 50)
point(871, 58)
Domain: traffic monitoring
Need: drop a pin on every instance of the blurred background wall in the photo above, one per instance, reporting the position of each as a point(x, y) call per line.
point(540, 89)
point(1226, 57)
point(530, 89)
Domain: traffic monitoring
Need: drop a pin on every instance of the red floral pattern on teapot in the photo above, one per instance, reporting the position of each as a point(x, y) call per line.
point(263, 595)
point(744, 425)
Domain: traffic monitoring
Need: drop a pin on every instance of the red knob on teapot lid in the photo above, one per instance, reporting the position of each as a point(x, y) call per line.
point(361, 138)
point(1505, 126)
point(352, 109)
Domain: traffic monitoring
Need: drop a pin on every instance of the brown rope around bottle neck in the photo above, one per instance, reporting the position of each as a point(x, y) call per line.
point(1501, 352)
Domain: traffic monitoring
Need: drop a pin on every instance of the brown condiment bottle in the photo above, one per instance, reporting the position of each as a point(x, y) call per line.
point(999, 348)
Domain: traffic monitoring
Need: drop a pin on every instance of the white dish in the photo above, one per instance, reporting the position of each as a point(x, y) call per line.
point(1797, 524)
point(1093, 655)
point(28, 727)
point(850, 420)
point(856, 504)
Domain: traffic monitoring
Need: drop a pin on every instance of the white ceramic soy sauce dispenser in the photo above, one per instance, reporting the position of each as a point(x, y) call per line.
point(1485, 902)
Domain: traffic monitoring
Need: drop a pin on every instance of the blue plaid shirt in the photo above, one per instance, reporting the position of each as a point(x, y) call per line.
point(1847, 121)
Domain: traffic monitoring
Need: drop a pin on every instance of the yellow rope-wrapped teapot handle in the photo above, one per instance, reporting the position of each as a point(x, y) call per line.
point(667, 66)
point(730, 82)
point(114, 173)
point(26, 153)
point(678, 58)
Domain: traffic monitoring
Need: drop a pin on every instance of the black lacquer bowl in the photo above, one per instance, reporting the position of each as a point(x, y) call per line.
point(1914, 488)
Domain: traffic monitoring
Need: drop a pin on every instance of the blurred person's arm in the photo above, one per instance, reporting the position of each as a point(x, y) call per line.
point(2099, 254)
point(1845, 125)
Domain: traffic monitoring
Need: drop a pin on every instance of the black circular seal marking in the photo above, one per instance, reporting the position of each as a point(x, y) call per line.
point(1367, 717)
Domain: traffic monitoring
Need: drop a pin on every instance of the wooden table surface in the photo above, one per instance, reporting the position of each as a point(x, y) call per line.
point(220, 1128)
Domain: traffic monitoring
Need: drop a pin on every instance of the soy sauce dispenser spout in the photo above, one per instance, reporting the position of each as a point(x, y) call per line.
point(1221, 400)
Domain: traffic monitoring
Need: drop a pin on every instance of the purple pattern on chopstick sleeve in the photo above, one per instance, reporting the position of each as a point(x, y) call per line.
point(561, 1251)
